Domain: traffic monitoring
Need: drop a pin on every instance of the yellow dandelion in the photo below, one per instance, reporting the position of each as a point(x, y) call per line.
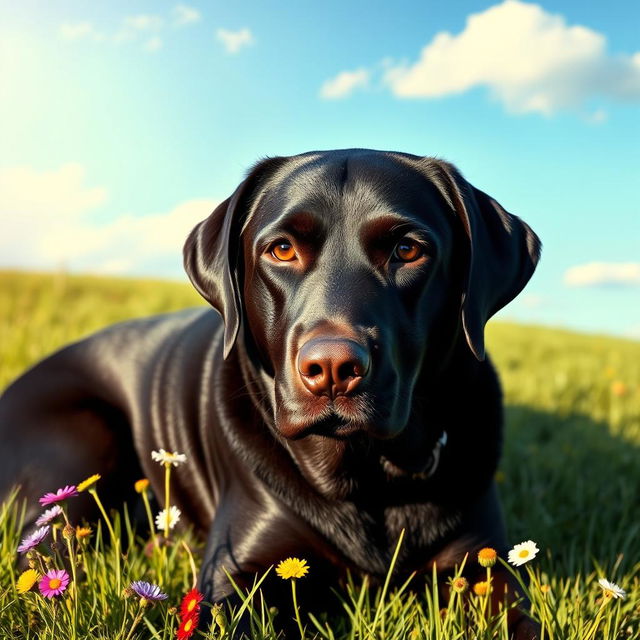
point(292, 568)
point(545, 588)
point(459, 585)
point(83, 532)
point(481, 588)
point(487, 557)
point(89, 482)
point(141, 485)
point(26, 580)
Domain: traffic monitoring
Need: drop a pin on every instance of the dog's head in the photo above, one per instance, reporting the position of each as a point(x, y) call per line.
point(352, 277)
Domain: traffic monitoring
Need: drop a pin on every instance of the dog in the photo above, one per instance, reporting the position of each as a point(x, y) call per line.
point(338, 394)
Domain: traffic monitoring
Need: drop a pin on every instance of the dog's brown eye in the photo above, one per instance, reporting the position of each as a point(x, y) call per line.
point(284, 252)
point(407, 251)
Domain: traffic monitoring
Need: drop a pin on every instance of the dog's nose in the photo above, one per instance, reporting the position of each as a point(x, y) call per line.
point(332, 366)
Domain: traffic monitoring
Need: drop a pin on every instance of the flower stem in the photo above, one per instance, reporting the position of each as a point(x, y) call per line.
point(295, 608)
point(596, 622)
point(136, 620)
point(167, 475)
point(147, 508)
point(115, 541)
point(74, 586)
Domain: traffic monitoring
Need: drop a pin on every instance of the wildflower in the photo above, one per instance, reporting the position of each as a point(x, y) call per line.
point(49, 515)
point(83, 532)
point(148, 592)
point(611, 589)
point(219, 619)
point(59, 495)
point(190, 603)
point(168, 520)
point(487, 557)
point(188, 626)
point(53, 583)
point(481, 588)
point(32, 541)
point(459, 585)
point(26, 580)
point(545, 588)
point(523, 552)
point(69, 532)
point(619, 388)
point(128, 592)
point(89, 482)
point(292, 568)
point(167, 457)
point(141, 485)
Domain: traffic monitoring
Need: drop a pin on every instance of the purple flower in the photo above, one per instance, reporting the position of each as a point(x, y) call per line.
point(59, 495)
point(147, 590)
point(32, 541)
point(49, 515)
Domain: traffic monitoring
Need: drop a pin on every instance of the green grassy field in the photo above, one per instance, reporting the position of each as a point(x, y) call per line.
point(569, 480)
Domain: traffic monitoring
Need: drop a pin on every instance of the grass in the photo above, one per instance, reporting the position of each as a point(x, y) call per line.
point(570, 480)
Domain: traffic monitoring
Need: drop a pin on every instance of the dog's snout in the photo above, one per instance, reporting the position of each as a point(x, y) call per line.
point(332, 366)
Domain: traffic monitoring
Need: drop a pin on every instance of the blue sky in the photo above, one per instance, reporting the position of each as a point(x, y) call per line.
point(124, 123)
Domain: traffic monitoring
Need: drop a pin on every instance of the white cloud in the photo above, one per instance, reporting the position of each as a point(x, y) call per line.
point(58, 193)
point(233, 41)
point(597, 117)
point(603, 273)
point(533, 300)
point(143, 22)
point(344, 84)
point(80, 30)
point(153, 44)
point(134, 27)
point(46, 222)
point(183, 15)
point(141, 28)
point(148, 244)
point(529, 60)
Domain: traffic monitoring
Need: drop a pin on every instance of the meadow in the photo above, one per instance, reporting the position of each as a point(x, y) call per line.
point(569, 480)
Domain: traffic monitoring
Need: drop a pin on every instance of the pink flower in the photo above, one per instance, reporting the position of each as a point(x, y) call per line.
point(53, 583)
point(59, 495)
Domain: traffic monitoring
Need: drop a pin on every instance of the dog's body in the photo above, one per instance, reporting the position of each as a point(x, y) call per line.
point(354, 288)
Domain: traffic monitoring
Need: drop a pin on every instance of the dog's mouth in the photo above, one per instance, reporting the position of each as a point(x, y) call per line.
point(339, 418)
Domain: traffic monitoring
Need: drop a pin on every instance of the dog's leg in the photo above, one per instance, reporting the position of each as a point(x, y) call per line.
point(251, 535)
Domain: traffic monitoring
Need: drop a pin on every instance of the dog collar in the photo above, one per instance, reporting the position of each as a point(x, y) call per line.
point(434, 460)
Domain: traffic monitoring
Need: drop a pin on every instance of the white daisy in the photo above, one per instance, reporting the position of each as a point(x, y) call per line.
point(523, 552)
point(611, 589)
point(167, 457)
point(164, 519)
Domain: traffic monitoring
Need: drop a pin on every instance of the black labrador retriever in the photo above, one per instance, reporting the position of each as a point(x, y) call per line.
point(340, 394)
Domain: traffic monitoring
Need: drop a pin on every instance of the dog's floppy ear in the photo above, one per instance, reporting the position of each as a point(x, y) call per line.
point(503, 254)
point(212, 251)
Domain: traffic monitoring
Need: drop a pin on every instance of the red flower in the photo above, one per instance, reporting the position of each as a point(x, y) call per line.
point(188, 625)
point(190, 604)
